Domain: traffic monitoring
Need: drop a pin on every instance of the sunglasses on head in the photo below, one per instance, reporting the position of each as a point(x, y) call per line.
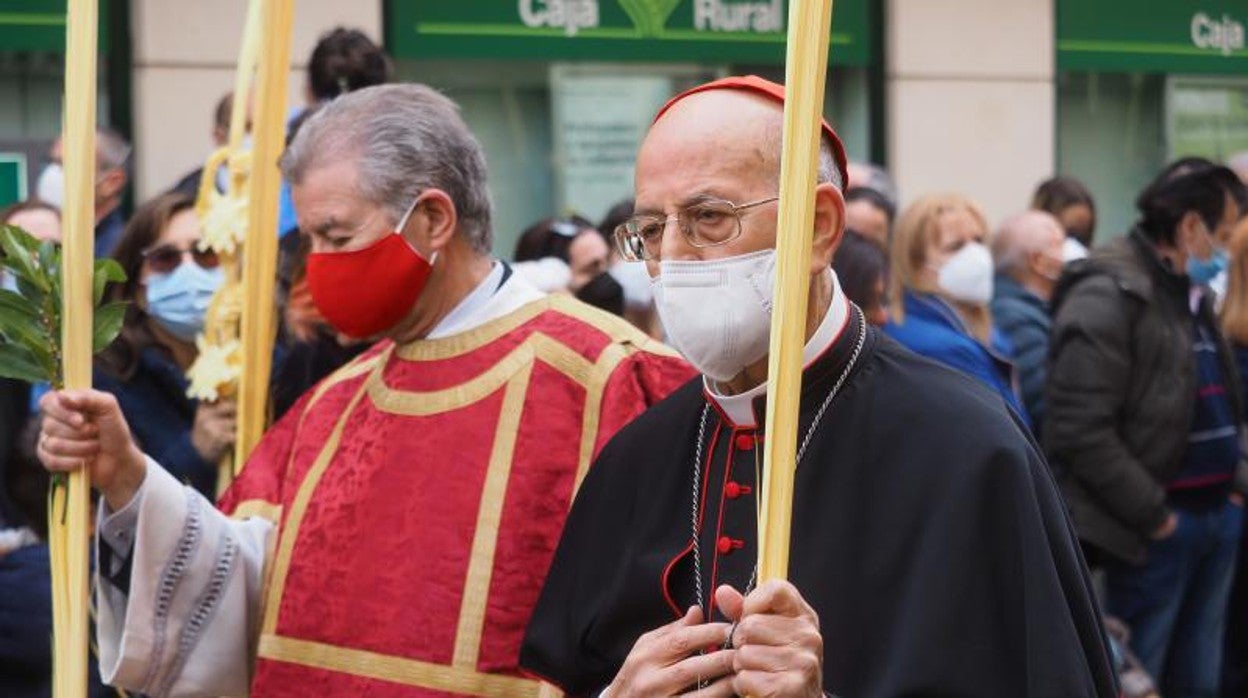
point(165, 258)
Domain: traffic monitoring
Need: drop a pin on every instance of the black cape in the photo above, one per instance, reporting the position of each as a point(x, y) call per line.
point(927, 534)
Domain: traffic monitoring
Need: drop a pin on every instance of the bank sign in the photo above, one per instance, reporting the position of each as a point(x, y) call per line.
point(727, 31)
point(39, 25)
point(1174, 36)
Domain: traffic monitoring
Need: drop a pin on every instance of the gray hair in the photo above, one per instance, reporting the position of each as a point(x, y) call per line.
point(828, 172)
point(1021, 235)
point(406, 138)
point(111, 148)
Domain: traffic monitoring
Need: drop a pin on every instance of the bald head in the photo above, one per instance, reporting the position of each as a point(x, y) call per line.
point(724, 131)
point(730, 126)
point(1028, 247)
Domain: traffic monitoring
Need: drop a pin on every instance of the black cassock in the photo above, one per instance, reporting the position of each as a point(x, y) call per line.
point(927, 534)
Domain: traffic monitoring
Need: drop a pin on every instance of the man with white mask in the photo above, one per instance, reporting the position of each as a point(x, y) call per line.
point(112, 156)
point(930, 551)
point(1028, 251)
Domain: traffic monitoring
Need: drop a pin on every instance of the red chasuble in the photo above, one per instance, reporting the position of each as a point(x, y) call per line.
point(420, 492)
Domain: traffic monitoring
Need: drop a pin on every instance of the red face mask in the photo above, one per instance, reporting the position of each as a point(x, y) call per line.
point(366, 292)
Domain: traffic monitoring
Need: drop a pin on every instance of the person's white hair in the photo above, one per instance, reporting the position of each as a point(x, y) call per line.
point(828, 171)
point(1020, 235)
point(405, 138)
point(112, 150)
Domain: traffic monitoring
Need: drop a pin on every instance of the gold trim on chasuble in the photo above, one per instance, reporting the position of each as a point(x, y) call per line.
point(512, 375)
point(258, 508)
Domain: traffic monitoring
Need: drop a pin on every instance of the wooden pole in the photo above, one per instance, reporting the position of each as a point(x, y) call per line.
point(260, 266)
point(810, 24)
point(70, 510)
point(244, 75)
point(223, 324)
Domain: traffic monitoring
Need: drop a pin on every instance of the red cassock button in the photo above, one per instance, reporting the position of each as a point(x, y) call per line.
point(745, 442)
point(732, 490)
point(726, 545)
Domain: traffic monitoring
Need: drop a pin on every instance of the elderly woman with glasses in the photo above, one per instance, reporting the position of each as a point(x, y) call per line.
point(169, 285)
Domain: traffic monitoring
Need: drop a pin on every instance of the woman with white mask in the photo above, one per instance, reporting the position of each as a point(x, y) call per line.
point(170, 283)
point(941, 283)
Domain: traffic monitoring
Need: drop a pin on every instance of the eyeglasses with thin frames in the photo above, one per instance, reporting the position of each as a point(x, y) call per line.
point(708, 223)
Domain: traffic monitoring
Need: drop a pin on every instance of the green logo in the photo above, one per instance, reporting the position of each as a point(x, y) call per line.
point(649, 16)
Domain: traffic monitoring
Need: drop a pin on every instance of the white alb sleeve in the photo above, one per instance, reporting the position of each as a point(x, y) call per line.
point(187, 626)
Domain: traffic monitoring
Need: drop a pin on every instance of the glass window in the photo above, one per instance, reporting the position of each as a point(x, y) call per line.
point(549, 154)
point(1111, 136)
point(30, 116)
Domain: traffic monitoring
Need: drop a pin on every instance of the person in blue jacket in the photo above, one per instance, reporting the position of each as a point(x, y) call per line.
point(170, 283)
point(941, 280)
point(1027, 249)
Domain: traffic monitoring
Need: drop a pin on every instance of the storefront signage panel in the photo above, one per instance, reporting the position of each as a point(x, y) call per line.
point(736, 31)
point(39, 25)
point(1207, 117)
point(1176, 36)
point(12, 178)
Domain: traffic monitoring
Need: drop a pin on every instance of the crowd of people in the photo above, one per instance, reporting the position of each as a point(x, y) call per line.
point(1126, 360)
point(1121, 358)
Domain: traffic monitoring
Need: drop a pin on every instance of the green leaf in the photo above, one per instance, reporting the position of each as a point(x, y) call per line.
point(21, 256)
point(106, 271)
point(19, 319)
point(18, 325)
point(108, 321)
point(18, 304)
point(49, 257)
point(31, 292)
point(18, 363)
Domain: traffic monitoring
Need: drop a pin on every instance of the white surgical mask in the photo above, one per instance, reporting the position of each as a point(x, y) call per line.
point(636, 282)
point(50, 187)
point(1073, 250)
point(718, 313)
point(967, 276)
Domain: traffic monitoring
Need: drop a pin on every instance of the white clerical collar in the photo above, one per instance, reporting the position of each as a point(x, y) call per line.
point(493, 298)
point(739, 408)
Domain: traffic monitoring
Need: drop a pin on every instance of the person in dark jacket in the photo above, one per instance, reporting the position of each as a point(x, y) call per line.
point(1235, 324)
point(941, 283)
point(26, 574)
point(1027, 250)
point(170, 282)
point(1142, 424)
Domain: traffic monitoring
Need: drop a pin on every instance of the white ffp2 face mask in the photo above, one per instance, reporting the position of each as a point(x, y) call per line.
point(967, 276)
point(1073, 250)
point(718, 313)
point(50, 186)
